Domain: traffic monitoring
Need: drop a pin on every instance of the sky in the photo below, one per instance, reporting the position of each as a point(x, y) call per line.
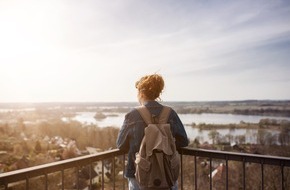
point(95, 50)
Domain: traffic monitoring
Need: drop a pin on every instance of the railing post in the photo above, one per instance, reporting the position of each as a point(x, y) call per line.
point(227, 173)
point(78, 180)
point(210, 173)
point(103, 176)
point(262, 173)
point(124, 166)
point(282, 176)
point(195, 172)
point(46, 179)
point(91, 178)
point(62, 179)
point(244, 173)
point(181, 169)
point(27, 183)
point(114, 174)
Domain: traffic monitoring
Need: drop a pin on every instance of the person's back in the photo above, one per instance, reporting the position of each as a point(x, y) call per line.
point(157, 162)
point(132, 131)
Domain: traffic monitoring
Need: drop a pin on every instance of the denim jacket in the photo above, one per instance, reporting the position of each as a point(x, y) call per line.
point(132, 132)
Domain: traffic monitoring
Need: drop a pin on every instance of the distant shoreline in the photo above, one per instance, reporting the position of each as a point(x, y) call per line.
point(171, 101)
point(237, 107)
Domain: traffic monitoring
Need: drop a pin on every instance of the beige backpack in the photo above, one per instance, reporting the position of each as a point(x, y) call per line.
point(157, 162)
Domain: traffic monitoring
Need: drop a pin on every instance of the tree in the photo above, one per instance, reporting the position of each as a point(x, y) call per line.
point(21, 124)
point(241, 139)
point(284, 135)
point(261, 136)
point(229, 137)
point(37, 147)
point(213, 135)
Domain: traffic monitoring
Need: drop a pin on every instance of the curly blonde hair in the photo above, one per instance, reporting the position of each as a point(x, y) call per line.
point(151, 86)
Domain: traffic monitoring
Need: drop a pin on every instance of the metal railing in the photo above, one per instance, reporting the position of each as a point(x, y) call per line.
point(42, 172)
point(261, 162)
point(190, 159)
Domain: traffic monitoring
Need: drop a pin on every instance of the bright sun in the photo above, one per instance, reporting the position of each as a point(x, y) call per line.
point(29, 42)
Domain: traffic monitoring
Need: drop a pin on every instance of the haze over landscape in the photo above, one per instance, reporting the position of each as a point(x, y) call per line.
point(87, 51)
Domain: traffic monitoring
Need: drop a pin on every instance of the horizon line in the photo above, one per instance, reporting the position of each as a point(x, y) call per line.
point(91, 102)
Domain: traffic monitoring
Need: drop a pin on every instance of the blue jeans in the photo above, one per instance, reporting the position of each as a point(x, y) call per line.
point(133, 184)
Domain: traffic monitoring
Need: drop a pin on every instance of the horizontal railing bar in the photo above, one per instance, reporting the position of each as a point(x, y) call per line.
point(27, 173)
point(34, 171)
point(253, 158)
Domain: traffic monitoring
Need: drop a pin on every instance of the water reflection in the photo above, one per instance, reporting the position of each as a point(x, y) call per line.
point(231, 135)
point(187, 119)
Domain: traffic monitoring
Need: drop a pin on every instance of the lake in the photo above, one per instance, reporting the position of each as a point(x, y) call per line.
point(188, 119)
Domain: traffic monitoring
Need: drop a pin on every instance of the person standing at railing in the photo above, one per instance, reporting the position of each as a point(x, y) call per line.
point(132, 131)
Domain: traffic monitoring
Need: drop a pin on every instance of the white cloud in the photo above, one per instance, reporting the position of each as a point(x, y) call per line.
point(95, 50)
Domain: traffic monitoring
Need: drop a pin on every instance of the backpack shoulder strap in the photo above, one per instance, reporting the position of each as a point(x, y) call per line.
point(163, 117)
point(147, 116)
